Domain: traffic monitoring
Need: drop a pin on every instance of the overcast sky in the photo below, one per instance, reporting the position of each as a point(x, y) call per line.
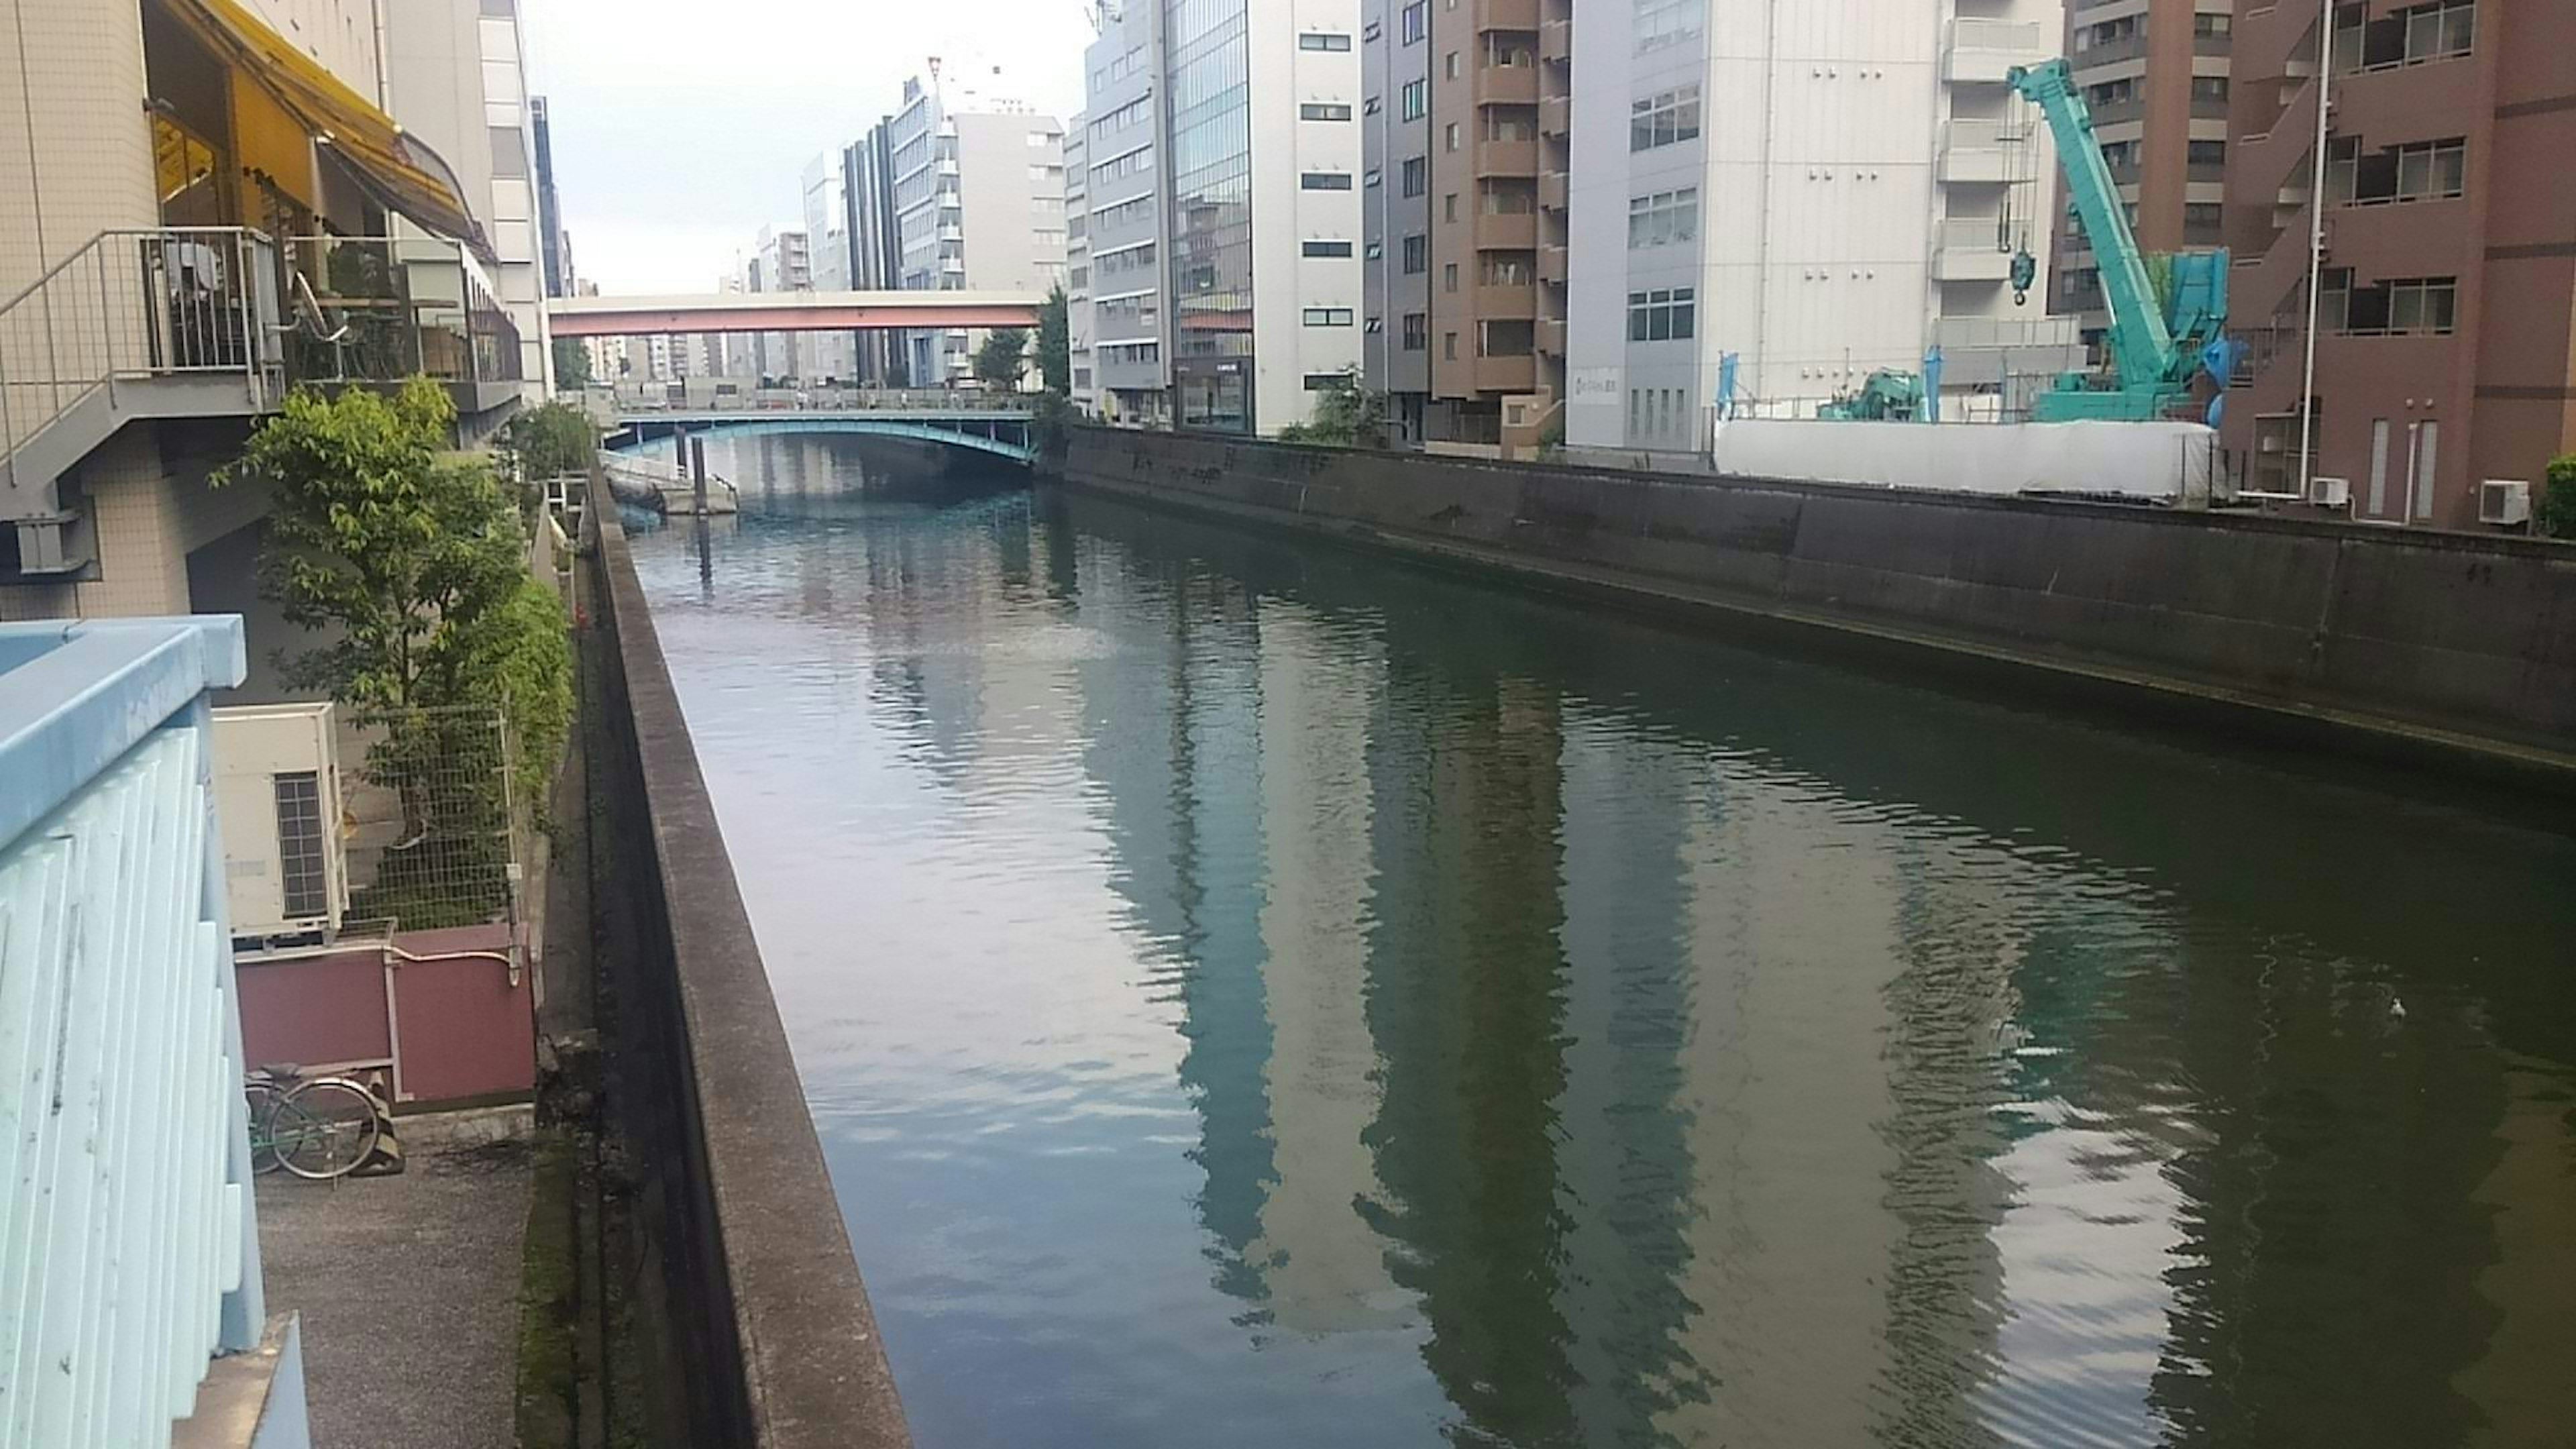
point(681, 126)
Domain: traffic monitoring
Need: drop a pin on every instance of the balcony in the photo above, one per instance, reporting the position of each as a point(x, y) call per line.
point(1551, 191)
point(1506, 302)
point(1556, 42)
point(1555, 116)
point(1506, 14)
point(1970, 250)
point(1506, 374)
point(2127, 47)
point(1981, 51)
point(381, 309)
point(1551, 263)
point(131, 1159)
point(1551, 336)
point(1506, 85)
point(1982, 152)
point(1506, 158)
point(1507, 231)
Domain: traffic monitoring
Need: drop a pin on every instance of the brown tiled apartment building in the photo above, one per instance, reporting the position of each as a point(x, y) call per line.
point(1465, 222)
point(2446, 336)
point(2156, 73)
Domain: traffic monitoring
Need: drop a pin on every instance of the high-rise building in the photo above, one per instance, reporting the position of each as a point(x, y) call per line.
point(2446, 282)
point(830, 355)
point(1465, 125)
point(867, 172)
point(978, 202)
point(2155, 75)
point(1781, 199)
point(1224, 193)
point(1082, 385)
point(550, 233)
point(456, 77)
point(782, 261)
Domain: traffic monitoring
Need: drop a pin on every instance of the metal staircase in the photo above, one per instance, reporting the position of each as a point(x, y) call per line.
point(164, 322)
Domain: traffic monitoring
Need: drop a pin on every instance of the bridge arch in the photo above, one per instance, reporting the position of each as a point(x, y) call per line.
point(998, 433)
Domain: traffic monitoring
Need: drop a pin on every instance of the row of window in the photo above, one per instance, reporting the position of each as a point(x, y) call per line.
point(1663, 217)
point(1664, 118)
point(2422, 171)
point(1662, 315)
point(1661, 23)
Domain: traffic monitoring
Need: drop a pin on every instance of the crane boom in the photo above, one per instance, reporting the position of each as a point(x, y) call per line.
point(2141, 344)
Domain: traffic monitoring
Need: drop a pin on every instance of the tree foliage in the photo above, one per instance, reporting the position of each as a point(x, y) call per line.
point(2557, 511)
point(1002, 358)
point(1055, 344)
point(413, 561)
point(549, 441)
point(572, 365)
point(1346, 416)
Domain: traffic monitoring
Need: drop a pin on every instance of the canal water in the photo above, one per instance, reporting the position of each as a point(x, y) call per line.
point(1258, 993)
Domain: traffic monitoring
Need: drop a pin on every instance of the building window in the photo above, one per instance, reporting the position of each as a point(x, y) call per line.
point(2432, 170)
point(1328, 249)
point(1416, 98)
point(302, 884)
point(1417, 175)
point(1325, 181)
point(1449, 207)
point(509, 152)
point(1663, 217)
point(2205, 153)
point(2205, 23)
point(1328, 317)
point(1449, 137)
point(2426, 305)
point(1323, 111)
point(2202, 215)
point(1417, 331)
point(1662, 315)
point(1325, 381)
point(1506, 338)
point(1659, 23)
point(1324, 40)
point(2414, 36)
point(1505, 269)
point(1417, 254)
point(1448, 276)
point(2209, 88)
point(1449, 347)
point(1415, 22)
point(1664, 118)
point(1449, 66)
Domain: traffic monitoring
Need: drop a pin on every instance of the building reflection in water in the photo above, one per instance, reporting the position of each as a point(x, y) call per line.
point(1640, 1043)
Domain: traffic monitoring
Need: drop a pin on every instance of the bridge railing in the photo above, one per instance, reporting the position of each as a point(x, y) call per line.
point(765, 1338)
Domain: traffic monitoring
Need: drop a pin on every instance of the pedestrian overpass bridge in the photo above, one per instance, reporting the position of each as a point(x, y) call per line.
point(1001, 432)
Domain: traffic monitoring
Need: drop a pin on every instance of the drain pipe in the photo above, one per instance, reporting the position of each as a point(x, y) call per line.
point(2316, 251)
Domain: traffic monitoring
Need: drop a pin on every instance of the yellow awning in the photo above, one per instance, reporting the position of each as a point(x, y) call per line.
point(401, 173)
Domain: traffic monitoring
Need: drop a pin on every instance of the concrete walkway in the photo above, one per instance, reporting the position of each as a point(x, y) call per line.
point(409, 1287)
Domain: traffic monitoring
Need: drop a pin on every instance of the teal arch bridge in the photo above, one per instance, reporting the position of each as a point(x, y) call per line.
point(1003, 433)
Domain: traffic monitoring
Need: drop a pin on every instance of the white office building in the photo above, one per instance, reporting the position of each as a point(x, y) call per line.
point(831, 355)
point(1223, 195)
point(978, 203)
point(1788, 197)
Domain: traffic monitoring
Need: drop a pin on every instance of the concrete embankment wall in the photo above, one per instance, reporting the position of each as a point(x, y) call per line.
point(758, 1328)
point(2459, 645)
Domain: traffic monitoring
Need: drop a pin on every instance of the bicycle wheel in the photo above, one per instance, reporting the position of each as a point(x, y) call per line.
point(336, 1130)
point(263, 1100)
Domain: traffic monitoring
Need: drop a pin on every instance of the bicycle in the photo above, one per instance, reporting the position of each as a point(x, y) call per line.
point(318, 1128)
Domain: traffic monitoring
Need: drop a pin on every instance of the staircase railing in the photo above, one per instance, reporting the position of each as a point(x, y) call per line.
point(133, 304)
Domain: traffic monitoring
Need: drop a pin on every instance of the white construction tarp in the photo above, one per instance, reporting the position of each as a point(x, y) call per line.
point(2160, 462)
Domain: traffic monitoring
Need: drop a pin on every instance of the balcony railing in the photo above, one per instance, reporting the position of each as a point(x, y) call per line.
point(135, 305)
point(381, 309)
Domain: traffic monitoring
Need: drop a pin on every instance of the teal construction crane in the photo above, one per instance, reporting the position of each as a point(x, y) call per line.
point(2156, 347)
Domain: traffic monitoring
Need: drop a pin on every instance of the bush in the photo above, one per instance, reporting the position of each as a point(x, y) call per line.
point(2557, 510)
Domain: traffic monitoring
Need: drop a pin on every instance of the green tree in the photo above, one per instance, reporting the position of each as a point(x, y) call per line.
point(1346, 416)
point(1055, 344)
point(549, 441)
point(1002, 358)
point(2557, 512)
point(415, 565)
point(572, 365)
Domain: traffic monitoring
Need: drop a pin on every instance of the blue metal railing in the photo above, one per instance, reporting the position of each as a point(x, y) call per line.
point(129, 1241)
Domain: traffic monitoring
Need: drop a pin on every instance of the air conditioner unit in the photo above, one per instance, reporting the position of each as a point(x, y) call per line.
point(277, 801)
point(2330, 492)
point(2504, 503)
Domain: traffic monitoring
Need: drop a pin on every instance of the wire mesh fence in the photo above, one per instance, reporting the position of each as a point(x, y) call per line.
point(437, 831)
